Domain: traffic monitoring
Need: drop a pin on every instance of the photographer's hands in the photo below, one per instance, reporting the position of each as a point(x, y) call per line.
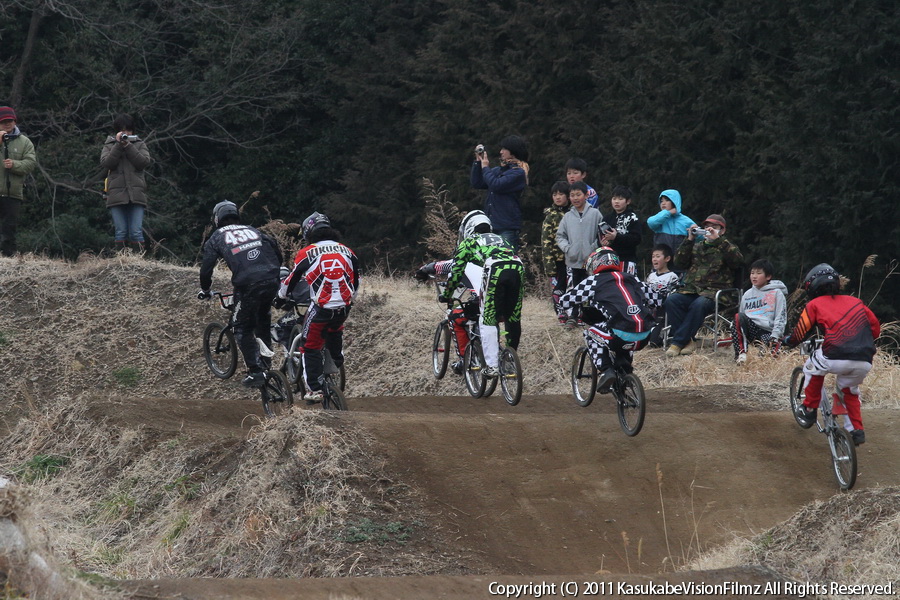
point(121, 138)
point(481, 155)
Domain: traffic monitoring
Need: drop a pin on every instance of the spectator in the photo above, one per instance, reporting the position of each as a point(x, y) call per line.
point(710, 263)
point(669, 224)
point(18, 161)
point(554, 259)
point(621, 229)
point(505, 185)
point(659, 284)
point(762, 314)
point(577, 237)
point(125, 157)
point(576, 170)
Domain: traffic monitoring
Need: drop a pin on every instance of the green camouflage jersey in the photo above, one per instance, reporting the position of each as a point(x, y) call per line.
point(550, 250)
point(477, 250)
point(710, 265)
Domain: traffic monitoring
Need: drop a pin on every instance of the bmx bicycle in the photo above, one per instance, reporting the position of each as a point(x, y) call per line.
point(334, 379)
point(220, 352)
point(473, 363)
point(840, 443)
point(631, 403)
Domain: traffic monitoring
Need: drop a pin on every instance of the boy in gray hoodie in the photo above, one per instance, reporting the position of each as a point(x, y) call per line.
point(763, 312)
point(577, 237)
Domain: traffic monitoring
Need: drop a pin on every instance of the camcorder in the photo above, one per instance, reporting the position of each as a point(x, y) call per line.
point(6, 137)
point(128, 138)
point(698, 231)
point(479, 149)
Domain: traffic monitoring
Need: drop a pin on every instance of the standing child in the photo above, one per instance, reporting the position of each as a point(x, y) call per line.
point(577, 236)
point(621, 229)
point(763, 312)
point(576, 170)
point(847, 351)
point(554, 259)
point(659, 283)
point(669, 225)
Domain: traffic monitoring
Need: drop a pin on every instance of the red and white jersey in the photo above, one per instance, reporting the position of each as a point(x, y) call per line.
point(331, 270)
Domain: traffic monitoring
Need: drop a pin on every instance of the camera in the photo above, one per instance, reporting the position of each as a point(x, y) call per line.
point(605, 228)
point(479, 149)
point(128, 138)
point(6, 137)
point(698, 231)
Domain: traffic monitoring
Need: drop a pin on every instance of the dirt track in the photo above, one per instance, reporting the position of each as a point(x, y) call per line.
point(548, 489)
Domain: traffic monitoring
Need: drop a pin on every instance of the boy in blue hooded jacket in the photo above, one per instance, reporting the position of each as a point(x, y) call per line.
point(670, 225)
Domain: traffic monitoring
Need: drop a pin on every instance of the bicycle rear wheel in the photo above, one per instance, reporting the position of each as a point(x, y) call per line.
point(843, 456)
point(631, 404)
point(440, 350)
point(511, 376)
point(798, 394)
point(473, 363)
point(276, 394)
point(332, 396)
point(584, 377)
point(220, 350)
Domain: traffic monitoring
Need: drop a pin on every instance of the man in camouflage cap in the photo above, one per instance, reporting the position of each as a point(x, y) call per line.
point(710, 261)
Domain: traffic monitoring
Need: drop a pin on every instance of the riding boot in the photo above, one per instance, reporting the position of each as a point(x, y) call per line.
point(854, 407)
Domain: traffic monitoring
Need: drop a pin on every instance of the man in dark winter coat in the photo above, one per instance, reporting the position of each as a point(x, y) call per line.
point(504, 184)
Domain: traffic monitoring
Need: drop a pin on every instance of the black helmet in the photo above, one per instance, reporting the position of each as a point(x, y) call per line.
point(601, 260)
point(224, 209)
point(822, 279)
point(314, 221)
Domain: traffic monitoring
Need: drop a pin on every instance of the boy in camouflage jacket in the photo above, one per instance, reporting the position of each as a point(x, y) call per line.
point(710, 260)
point(553, 258)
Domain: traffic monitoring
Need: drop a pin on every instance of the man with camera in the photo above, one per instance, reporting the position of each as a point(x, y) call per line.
point(710, 260)
point(504, 184)
point(18, 161)
point(125, 157)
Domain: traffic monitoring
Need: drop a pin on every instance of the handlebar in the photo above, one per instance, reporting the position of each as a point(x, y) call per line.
point(808, 347)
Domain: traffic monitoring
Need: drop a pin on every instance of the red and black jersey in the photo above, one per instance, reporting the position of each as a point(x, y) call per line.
point(617, 296)
point(331, 270)
point(850, 327)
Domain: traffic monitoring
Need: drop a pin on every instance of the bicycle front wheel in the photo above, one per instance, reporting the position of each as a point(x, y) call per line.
point(440, 350)
point(798, 394)
point(631, 404)
point(843, 456)
point(511, 376)
point(473, 363)
point(276, 394)
point(220, 350)
point(584, 377)
point(332, 396)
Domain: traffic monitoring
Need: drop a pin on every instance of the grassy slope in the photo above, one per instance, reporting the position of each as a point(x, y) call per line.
point(68, 330)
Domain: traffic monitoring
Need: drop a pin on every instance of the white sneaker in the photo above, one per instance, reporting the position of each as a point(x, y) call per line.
point(742, 358)
point(313, 397)
point(491, 372)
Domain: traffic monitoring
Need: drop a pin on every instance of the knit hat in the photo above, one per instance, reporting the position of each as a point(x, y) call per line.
point(8, 113)
point(715, 220)
point(516, 146)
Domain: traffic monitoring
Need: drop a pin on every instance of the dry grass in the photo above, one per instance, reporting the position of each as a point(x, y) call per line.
point(852, 538)
point(133, 503)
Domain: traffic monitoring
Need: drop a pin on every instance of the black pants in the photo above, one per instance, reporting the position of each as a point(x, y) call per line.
point(253, 319)
point(9, 215)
